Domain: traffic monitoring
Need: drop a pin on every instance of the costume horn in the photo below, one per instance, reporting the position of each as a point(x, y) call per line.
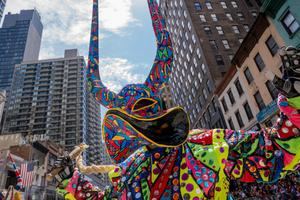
point(161, 68)
point(106, 97)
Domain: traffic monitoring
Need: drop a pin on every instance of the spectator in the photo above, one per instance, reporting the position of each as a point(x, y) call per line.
point(286, 188)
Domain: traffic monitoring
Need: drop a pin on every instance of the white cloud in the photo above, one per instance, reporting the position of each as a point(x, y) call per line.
point(118, 72)
point(47, 53)
point(68, 21)
point(116, 14)
point(67, 25)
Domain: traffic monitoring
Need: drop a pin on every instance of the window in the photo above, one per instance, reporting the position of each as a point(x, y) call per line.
point(290, 24)
point(202, 18)
point(239, 87)
point(191, 48)
point(272, 45)
point(213, 44)
point(248, 75)
point(204, 93)
point(185, 13)
point(220, 30)
point(231, 97)
point(226, 44)
point(223, 4)
point(197, 6)
point(224, 105)
point(273, 91)
point(259, 62)
point(209, 85)
point(229, 16)
point(231, 126)
point(239, 119)
point(207, 30)
point(241, 16)
point(248, 111)
point(246, 27)
point(203, 68)
point(259, 100)
point(234, 4)
point(254, 13)
point(200, 77)
point(193, 38)
point(208, 5)
point(198, 53)
point(236, 29)
point(214, 17)
point(201, 100)
point(219, 60)
point(189, 26)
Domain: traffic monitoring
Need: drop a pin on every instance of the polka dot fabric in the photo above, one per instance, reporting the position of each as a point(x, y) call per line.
point(201, 168)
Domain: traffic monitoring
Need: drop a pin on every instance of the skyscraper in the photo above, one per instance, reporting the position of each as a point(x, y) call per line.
point(2, 6)
point(205, 36)
point(97, 153)
point(50, 97)
point(2, 102)
point(20, 40)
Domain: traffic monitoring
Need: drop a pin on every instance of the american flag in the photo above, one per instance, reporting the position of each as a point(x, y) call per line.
point(27, 173)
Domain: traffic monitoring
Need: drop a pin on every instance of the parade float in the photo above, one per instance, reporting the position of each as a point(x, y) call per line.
point(157, 156)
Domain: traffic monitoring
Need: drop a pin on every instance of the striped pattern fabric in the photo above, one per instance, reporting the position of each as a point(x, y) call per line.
point(27, 173)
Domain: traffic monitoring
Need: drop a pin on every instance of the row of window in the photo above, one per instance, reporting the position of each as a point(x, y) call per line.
point(239, 118)
point(231, 96)
point(229, 16)
point(257, 96)
point(198, 6)
point(220, 31)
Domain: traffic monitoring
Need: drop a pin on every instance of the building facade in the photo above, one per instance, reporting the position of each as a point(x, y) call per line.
point(97, 152)
point(43, 154)
point(20, 40)
point(285, 15)
point(2, 6)
point(166, 96)
point(248, 98)
point(94, 140)
point(49, 97)
point(205, 35)
point(2, 102)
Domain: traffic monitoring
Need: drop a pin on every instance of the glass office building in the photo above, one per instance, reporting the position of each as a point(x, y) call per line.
point(2, 6)
point(20, 40)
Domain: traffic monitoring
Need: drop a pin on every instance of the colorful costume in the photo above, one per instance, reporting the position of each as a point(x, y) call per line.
point(158, 157)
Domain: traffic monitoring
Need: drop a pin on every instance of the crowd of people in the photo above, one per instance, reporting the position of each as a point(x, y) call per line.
point(285, 189)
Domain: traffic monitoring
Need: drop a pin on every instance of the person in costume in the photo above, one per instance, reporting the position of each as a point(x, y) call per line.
point(155, 153)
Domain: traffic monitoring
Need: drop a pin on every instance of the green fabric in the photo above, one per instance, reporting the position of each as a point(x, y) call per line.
point(291, 145)
point(294, 102)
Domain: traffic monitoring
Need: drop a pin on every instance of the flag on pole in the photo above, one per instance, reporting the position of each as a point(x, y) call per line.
point(19, 185)
point(27, 173)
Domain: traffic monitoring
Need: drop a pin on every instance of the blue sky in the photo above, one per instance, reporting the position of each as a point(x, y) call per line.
point(127, 46)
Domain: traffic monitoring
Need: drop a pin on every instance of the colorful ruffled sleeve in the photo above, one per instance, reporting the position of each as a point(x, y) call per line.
point(78, 188)
point(267, 155)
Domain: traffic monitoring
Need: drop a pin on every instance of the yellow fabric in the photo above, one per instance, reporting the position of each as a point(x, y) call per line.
point(18, 196)
point(197, 192)
point(223, 183)
point(69, 197)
